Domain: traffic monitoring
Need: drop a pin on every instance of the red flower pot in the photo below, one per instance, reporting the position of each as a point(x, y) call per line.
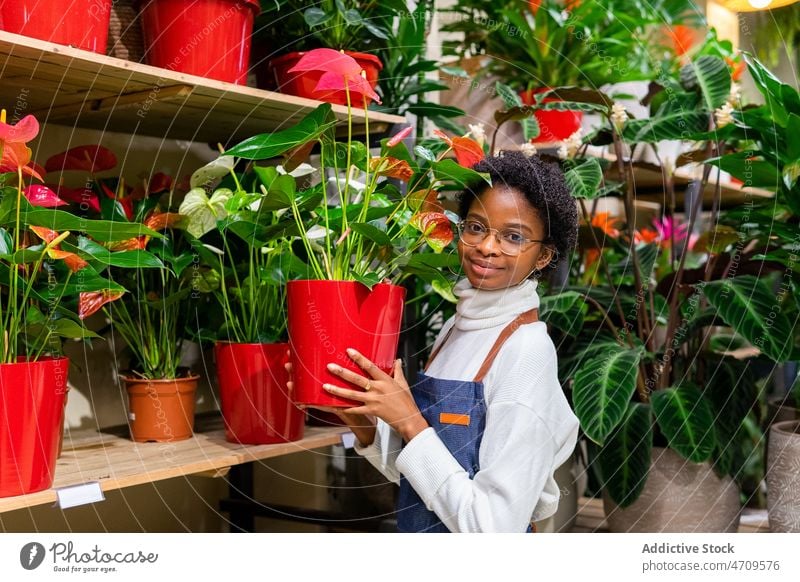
point(553, 125)
point(326, 318)
point(79, 23)
point(302, 83)
point(256, 407)
point(208, 38)
point(31, 423)
point(161, 411)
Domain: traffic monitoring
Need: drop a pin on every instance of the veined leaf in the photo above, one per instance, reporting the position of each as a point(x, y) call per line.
point(686, 419)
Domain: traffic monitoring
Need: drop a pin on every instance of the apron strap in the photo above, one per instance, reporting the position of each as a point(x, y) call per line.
point(530, 316)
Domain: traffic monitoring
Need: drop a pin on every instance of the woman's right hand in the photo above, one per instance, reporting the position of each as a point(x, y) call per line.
point(363, 426)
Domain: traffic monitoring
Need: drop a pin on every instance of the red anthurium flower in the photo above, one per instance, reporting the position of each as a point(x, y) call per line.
point(435, 227)
point(89, 158)
point(340, 72)
point(78, 196)
point(425, 201)
point(605, 222)
point(645, 235)
point(468, 151)
point(683, 38)
point(45, 234)
point(161, 220)
point(399, 136)
point(533, 6)
point(160, 182)
point(18, 155)
point(73, 261)
point(137, 243)
point(91, 302)
point(391, 168)
point(43, 196)
point(737, 67)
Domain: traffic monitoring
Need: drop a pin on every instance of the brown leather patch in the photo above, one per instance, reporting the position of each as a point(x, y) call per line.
point(452, 418)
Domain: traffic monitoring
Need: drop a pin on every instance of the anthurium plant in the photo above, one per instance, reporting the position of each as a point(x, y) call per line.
point(50, 267)
point(655, 319)
point(372, 219)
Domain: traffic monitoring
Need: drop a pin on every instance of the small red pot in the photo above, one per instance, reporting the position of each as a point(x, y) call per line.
point(256, 407)
point(31, 423)
point(79, 23)
point(302, 83)
point(207, 38)
point(553, 125)
point(326, 318)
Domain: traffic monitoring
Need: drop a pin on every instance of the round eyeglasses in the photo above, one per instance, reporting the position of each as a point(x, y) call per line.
point(512, 243)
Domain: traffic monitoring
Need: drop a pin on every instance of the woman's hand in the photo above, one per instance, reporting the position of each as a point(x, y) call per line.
point(386, 397)
point(362, 426)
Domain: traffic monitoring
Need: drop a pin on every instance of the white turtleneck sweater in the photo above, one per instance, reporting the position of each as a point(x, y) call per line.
point(530, 428)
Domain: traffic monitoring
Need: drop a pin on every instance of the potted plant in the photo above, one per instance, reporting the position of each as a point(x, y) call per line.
point(643, 306)
point(43, 273)
point(359, 250)
point(255, 261)
point(351, 26)
point(207, 38)
point(84, 25)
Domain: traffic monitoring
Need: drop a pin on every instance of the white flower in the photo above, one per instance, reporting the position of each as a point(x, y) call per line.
point(300, 171)
point(570, 147)
point(528, 149)
point(317, 232)
point(478, 132)
point(563, 152)
point(618, 115)
point(735, 96)
point(723, 115)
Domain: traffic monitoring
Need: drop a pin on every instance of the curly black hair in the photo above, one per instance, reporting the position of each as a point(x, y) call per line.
point(543, 185)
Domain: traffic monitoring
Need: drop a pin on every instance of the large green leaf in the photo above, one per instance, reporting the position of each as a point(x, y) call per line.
point(270, 145)
point(371, 233)
point(673, 125)
point(711, 76)
point(584, 179)
point(686, 419)
point(750, 307)
point(753, 172)
point(452, 174)
point(625, 458)
point(91, 251)
point(603, 387)
point(564, 311)
point(99, 230)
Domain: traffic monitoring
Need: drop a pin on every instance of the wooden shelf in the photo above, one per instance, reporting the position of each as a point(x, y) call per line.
point(117, 462)
point(68, 86)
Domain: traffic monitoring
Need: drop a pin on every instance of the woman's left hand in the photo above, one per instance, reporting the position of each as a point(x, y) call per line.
point(387, 397)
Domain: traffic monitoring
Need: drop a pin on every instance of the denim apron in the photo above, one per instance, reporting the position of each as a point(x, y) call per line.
point(456, 409)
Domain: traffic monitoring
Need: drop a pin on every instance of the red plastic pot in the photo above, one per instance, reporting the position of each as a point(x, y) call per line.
point(553, 125)
point(326, 318)
point(256, 406)
point(302, 83)
point(207, 38)
point(79, 23)
point(31, 423)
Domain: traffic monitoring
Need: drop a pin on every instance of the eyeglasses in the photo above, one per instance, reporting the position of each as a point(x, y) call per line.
point(512, 243)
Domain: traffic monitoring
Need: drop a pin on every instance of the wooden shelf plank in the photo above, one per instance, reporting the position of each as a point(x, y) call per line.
point(69, 86)
point(117, 462)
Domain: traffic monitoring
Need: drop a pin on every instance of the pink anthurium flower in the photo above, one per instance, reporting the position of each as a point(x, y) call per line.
point(42, 196)
point(23, 131)
point(435, 227)
point(340, 72)
point(399, 136)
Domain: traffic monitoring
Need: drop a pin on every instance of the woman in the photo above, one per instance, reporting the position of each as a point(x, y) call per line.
point(474, 444)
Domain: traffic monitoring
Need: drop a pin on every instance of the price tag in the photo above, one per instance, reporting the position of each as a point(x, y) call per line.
point(82, 494)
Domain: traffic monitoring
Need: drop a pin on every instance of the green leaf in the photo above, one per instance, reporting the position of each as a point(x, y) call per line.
point(269, 145)
point(753, 172)
point(585, 178)
point(316, 17)
point(674, 125)
point(749, 306)
point(457, 176)
point(510, 97)
point(99, 230)
point(686, 419)
point(603, 388)
point(625, 458)
point(91, 251)
point(425, 153)
point(564, 311)
point(426, 109)
point(372, 233)
point(202, 212)
point(711, 76)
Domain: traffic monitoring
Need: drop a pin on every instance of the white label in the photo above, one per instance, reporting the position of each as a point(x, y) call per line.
point(131, 416)
point(348, 440)
point(82, 494)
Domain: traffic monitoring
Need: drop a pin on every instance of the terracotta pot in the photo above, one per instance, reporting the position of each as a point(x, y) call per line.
point(302, 84)
point(208, 38)
point(31, 422)
point(679, 496)
point(326, 318)
point(783, 477)
point(256, 405)
point(161, 410)
point(79, 23)
point(554, 126)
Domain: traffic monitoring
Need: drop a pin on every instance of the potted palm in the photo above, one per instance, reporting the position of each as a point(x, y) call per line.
point(358, 250)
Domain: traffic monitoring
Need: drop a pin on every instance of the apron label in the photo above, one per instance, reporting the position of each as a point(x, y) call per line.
point(452, 418)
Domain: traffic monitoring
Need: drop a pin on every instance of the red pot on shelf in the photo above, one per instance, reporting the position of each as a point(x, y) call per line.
point(326, 318)
point(79, 23)
point(302, 83)
point(31, 423)
point(553, 125)
point(256, 407)
point(207, 38)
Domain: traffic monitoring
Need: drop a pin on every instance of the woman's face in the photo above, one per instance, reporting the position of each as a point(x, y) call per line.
point(506, 210)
